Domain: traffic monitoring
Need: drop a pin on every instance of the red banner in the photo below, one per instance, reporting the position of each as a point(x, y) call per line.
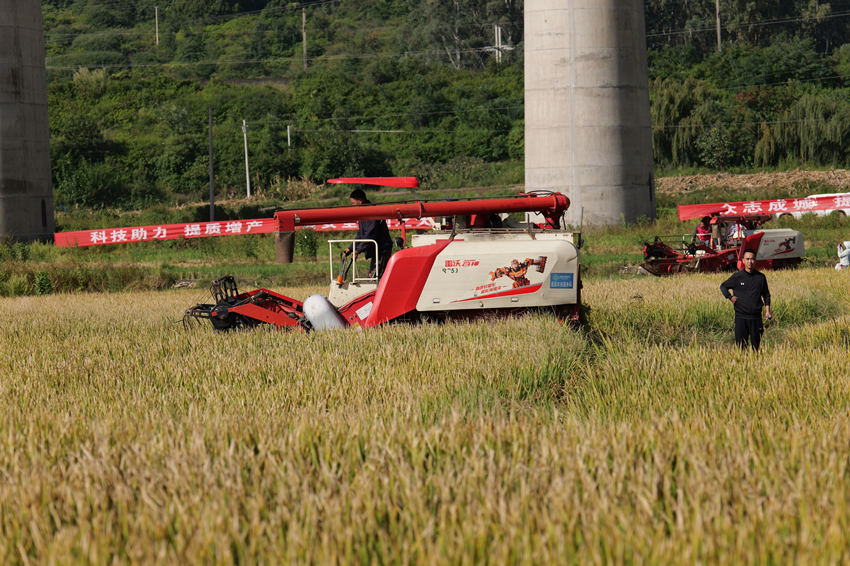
point(764, 207)
point(403, 182)
point(106, 236)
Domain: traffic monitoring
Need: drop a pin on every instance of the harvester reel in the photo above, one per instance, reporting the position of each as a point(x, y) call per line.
point(225, 293)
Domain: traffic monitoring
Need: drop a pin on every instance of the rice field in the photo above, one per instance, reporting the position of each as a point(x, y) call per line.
point(645, 437)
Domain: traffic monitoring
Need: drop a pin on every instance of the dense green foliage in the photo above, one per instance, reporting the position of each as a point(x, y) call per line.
point(406, 87)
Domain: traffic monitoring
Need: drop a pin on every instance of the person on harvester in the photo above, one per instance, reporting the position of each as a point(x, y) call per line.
point(702, 233)
point(371, 230)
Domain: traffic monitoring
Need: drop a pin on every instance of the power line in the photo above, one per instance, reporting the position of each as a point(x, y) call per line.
point(742, 25)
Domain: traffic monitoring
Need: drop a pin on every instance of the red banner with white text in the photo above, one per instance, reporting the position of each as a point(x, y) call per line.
point(106, 236)
point(764, 207)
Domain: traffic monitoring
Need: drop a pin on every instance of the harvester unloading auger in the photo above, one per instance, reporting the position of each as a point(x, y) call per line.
point(450, 272)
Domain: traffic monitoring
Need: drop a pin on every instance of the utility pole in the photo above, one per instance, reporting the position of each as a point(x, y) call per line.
point(212, 184)
point(288, 139)
point(497, 30)
point(304, 35)
point(247, 174)
point(717, 15)
point(156, 18)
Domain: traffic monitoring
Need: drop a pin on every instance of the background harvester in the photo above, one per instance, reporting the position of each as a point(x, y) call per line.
point(478, 262)
point(733, 229)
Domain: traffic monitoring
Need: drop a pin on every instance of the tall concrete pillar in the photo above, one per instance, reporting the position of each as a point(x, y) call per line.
point(587, 127)
point(26, 196)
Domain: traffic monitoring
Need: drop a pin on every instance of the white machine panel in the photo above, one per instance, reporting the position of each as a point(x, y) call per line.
point(781, 243)
point(502, 271)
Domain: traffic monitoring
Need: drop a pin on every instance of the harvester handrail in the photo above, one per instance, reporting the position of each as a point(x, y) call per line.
point(353, 242)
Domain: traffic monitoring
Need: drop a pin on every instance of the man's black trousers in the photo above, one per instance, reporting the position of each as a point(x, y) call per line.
point(748, 330)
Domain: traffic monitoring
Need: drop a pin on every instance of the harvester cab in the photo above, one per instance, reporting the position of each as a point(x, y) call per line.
point(480, 267)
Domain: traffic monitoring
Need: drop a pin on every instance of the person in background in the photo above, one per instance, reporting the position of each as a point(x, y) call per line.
point(735, 231)
point(702, 233)
point(716, 239)
point(843, 256)
point(371, 230)
point(748, 291)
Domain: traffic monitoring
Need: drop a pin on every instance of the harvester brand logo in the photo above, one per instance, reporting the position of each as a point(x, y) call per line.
point(455, 265)
point(561, 281)
point(462, 263)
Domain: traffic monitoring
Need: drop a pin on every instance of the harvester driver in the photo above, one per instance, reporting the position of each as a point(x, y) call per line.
point(371, 230)
point(703, 231)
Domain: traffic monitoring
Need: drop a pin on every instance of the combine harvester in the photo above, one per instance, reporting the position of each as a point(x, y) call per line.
point(735, 228)
point(477, 262)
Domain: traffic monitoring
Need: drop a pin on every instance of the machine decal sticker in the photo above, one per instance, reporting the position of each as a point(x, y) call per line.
point(488, 288)
point(364, 311)
point(517, 270)
point(788, 245)
point(561, 281)
point(508, 293)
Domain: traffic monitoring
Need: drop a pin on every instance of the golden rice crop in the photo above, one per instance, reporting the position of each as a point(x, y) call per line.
point(644, 437)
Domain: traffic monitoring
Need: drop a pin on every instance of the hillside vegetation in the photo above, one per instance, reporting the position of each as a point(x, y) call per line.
point(409, 88)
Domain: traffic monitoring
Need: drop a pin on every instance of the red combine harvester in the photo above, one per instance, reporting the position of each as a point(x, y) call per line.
point(731, 234)
point(477, 262)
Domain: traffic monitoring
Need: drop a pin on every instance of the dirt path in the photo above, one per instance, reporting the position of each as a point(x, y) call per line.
point(838, 178)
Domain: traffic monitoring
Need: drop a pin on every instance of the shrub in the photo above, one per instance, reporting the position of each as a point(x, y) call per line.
point(15, 285)
point(307, 243)
point(43, 284)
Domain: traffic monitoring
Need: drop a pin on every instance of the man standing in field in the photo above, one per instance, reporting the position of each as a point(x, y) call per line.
point(747, 289)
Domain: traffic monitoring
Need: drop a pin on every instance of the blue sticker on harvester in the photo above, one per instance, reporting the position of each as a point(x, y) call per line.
point(561, 281)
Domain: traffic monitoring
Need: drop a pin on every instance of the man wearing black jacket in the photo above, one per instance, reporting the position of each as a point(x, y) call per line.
point(371, 230)
point(748, 293)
